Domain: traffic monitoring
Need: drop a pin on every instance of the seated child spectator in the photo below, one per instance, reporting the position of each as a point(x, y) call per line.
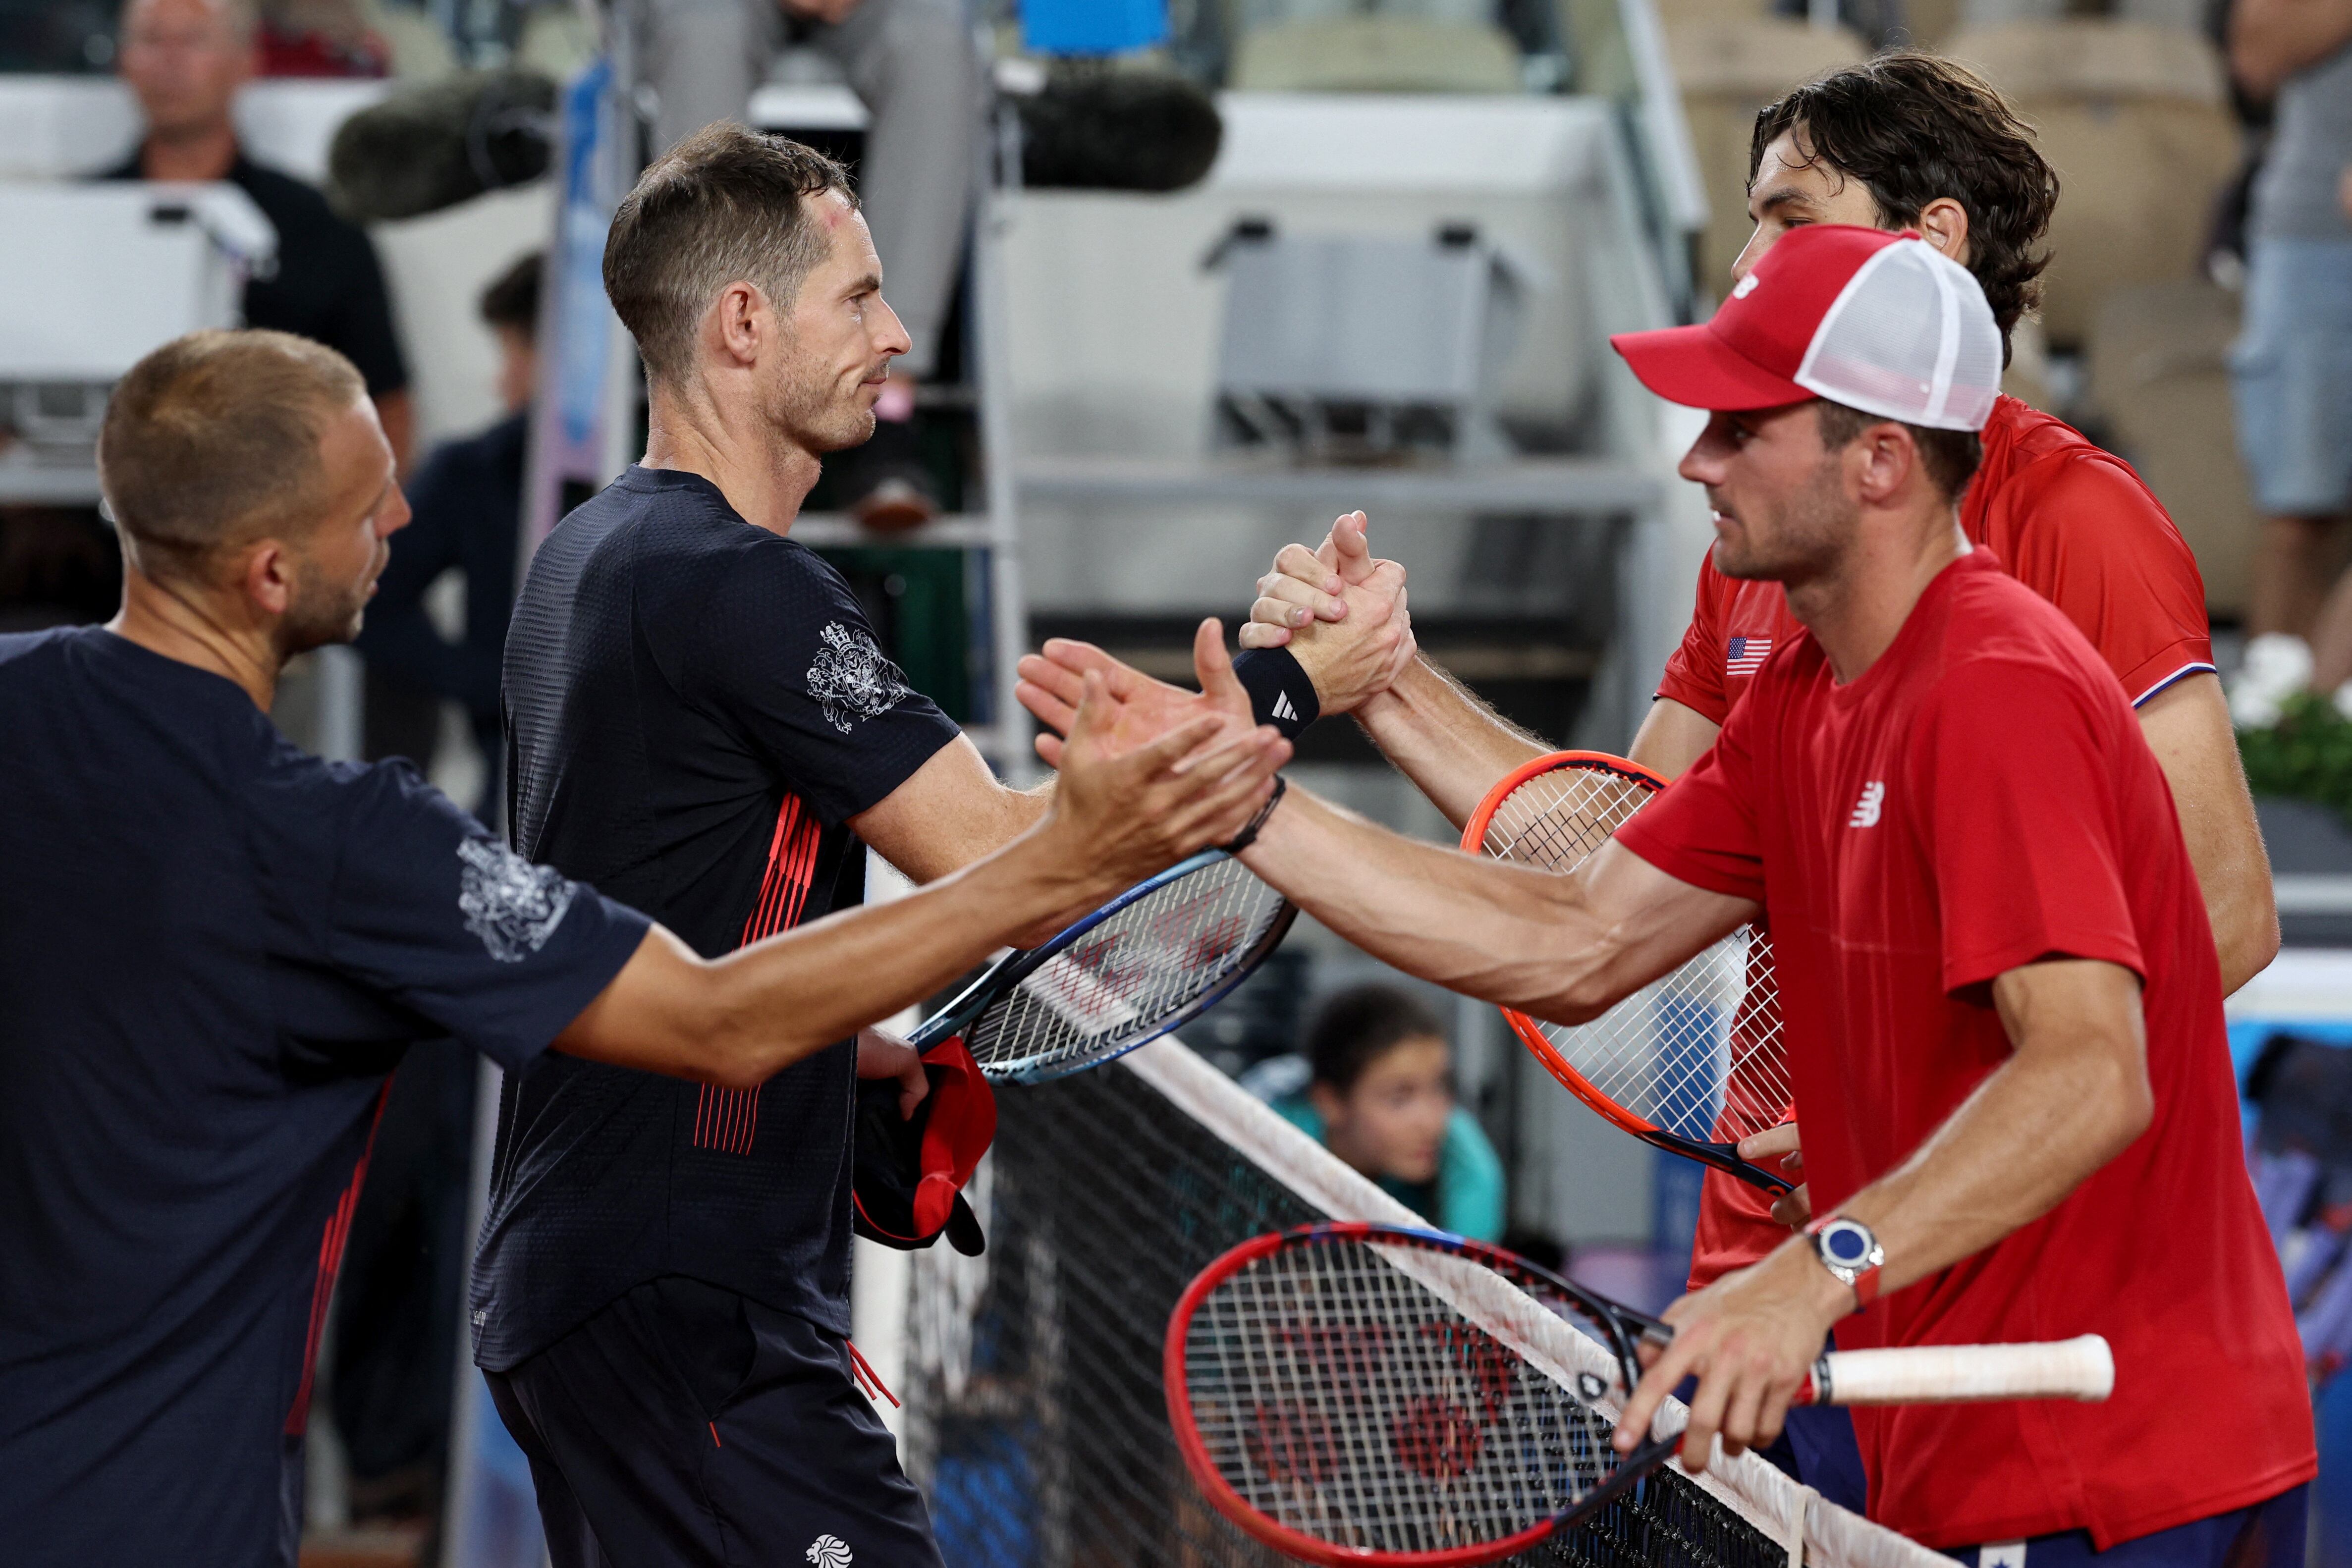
point(1381, 1098)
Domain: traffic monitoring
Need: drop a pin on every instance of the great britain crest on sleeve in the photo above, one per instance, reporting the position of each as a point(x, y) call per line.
point(511, 905)
point(851, 679)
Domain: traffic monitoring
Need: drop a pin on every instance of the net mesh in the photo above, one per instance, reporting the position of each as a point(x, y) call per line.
point(1035, 1419)
point(1697, 1051)
point(1136, 973)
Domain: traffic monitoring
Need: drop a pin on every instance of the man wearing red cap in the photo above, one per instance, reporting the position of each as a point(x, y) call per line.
point(2002, 995)
point(1904, 140)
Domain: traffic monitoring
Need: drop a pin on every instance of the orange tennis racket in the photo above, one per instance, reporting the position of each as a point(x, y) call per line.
point(1693, 1061)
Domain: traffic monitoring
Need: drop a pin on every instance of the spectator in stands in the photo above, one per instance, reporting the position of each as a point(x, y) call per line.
point(186, 59)
point(1381, 1098)
point(2292, 365)
point(468, 500)
point(912, 63)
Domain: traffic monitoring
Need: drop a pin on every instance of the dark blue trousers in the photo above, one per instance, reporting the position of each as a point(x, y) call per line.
point(687, 1426)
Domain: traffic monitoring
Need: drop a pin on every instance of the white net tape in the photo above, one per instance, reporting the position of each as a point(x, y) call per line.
point(1814, 1530)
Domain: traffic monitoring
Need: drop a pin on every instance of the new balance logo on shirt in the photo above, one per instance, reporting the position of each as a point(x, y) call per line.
point(1282, 708)
point(1745, 655)
point(1865, 811)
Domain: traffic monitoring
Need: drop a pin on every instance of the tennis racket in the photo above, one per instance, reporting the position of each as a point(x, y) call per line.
point(1368, 1394)
point(1693, 1061)
point(1159, 954)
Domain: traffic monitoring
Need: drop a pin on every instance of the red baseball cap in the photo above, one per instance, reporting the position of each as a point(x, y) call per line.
point(1878, 321)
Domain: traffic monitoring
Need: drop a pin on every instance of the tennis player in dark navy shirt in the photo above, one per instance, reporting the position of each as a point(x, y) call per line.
point(701, 721)
point(214, 948)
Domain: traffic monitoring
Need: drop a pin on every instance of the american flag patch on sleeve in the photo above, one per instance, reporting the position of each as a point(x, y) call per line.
point(1745, 655)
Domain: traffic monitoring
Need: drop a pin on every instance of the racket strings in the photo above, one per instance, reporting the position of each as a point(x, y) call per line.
point(1125, 976)
point(1345, 1400)
point(1698, 1051)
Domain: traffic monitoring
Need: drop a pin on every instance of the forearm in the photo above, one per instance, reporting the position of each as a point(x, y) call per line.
point(1561, 947)
point(2188, 727)
point(2073, 1096)
point(1442, 737)
point(740, 1019)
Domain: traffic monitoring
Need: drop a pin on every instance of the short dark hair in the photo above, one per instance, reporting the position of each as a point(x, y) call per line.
point(723, 205)
point(212, 441)
point(511, 300)
point(1353, 1028)
point(1950, 457)
point(1913, 127)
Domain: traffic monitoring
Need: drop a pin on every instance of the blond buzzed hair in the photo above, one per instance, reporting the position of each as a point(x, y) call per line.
point(722, 207)
point(243, 16)
point(212, 441)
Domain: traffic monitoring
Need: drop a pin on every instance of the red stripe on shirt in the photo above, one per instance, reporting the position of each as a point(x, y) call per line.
point(331, 1260)
point(728, 1119)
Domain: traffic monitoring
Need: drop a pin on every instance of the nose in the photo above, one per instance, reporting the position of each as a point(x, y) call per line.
point(1751, 253)
point(1702, 464)
point(890, 336)
point(395, 515)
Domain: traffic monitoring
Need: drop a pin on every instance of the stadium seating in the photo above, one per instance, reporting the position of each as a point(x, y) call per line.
point(2160, 381)
point(1377, 54)
point(2134, 116)
point(1730, 67)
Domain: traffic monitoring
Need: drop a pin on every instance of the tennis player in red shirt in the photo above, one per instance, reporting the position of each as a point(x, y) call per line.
point(2003, 999)
point(1906, 141)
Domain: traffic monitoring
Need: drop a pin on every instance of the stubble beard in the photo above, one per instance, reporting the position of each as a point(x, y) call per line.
point(322, 612)
point(811, 413)
point(1806, 537)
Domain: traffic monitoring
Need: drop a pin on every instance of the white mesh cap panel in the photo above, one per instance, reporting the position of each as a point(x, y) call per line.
point(1909, 337)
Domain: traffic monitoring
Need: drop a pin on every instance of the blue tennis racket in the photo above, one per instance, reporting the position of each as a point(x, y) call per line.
point(1159, 954)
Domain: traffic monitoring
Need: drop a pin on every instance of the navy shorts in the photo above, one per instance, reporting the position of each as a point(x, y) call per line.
point(2267, 1535)
point(685, 1425)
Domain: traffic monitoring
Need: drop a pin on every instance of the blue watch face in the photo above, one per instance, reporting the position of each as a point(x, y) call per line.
point(1847, 1245)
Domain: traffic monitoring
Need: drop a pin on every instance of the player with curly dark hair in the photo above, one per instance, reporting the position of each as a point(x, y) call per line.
point(1902, 141)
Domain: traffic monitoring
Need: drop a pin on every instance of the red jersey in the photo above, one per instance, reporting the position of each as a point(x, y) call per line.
point(2071, 522)
point(1979, 799)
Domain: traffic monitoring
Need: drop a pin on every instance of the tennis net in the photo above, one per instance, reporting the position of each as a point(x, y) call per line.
point(1036, 1421)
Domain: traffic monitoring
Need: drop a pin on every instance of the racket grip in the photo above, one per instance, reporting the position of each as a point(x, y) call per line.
point(2082, 1368)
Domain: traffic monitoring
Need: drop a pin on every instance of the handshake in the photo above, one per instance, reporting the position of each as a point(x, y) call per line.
point(1340, 611)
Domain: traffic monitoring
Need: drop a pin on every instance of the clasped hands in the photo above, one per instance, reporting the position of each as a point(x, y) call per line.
point(1341, 613)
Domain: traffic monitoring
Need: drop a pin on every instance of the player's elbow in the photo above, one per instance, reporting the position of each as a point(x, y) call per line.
point(2125, 1102)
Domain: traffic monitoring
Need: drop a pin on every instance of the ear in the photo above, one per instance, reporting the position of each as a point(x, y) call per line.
point(1884, 459)
point(1325, 1100)
point(738, 324)
point(266, 576)
point(1945, 225)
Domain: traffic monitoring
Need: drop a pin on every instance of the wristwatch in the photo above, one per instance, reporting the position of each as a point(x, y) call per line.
point(1848, 1249)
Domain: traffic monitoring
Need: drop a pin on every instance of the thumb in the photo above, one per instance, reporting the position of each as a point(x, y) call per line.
point(1214, 668)
point(1355, 561)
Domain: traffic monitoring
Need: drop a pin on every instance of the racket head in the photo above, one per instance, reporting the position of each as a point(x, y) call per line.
point(1161, 953)
point(1352, 1394)
point(1695, 1061)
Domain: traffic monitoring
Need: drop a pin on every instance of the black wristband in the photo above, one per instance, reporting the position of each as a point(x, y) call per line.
point(1280, 694)
point(1248, 835)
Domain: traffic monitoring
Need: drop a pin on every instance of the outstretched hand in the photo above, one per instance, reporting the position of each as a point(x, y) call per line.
point(1340, 611)
point(1131, 803)
point(1052, 682)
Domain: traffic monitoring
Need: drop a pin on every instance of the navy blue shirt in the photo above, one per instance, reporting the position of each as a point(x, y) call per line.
point(694, 707)
point(213, 947)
